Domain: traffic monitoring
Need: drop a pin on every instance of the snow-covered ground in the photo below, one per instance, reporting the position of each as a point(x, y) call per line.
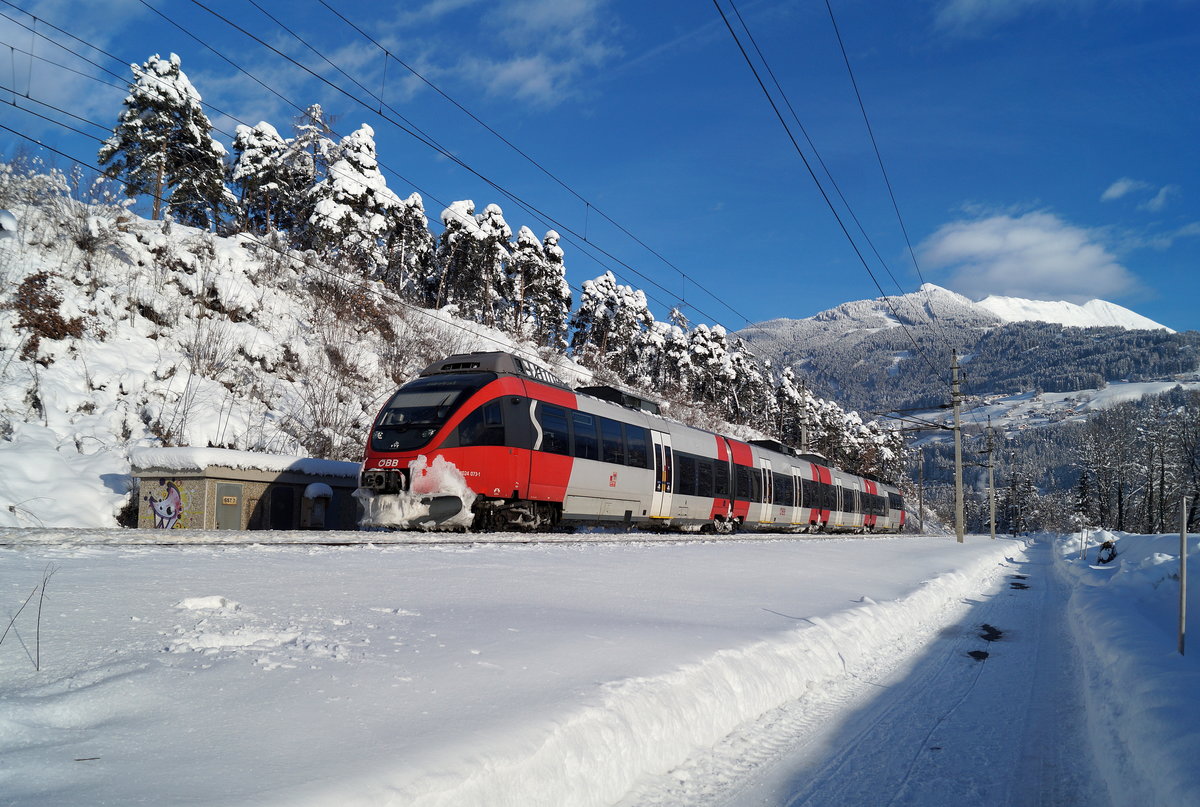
point(831, 671)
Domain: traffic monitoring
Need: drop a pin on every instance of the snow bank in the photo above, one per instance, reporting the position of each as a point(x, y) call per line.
point(595, 754)
point(1142, 696)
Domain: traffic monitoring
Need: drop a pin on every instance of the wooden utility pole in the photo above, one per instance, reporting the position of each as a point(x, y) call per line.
point(956, 402)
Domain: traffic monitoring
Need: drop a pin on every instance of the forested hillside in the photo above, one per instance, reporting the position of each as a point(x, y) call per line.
point(858, 355)
point(280, 289)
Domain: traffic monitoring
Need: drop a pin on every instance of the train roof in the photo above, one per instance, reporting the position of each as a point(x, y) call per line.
point(494, 362)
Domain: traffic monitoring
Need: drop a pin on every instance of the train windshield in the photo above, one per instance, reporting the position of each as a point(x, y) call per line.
point(419, 409)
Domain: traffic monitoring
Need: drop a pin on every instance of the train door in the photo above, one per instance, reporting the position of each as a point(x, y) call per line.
point(767, 514)
point(664, 475)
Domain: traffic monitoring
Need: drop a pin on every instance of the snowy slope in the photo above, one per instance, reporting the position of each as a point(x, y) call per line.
point(1092, 314)
point(178, 336)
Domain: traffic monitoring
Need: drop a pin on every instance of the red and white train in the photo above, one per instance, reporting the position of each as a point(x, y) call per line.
point(538, 454)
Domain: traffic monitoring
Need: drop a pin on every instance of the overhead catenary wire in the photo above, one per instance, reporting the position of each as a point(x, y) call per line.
point(582, 247)
point(820, 187)
point(448, 154)
point(588, 204)
point(816, 152)
point(883, 170)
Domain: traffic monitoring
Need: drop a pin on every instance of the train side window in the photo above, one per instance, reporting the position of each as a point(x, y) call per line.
point(556, 433)
point(704, 478)
point(483, 427)
point(783, 490)
point(743, 490)
point(637, 442)
point(612, 441)
point(685, 482)
point(721, 479)
point(587, 444)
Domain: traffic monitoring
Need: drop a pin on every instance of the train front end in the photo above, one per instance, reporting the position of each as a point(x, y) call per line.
point(405, 482)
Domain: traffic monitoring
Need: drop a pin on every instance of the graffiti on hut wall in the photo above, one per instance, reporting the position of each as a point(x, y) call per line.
point(169, 508)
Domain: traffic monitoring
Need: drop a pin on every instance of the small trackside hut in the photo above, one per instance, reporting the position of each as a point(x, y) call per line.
point(532, 453)
point(219, 489)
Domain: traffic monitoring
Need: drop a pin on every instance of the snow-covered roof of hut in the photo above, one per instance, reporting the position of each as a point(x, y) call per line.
point(198, 459)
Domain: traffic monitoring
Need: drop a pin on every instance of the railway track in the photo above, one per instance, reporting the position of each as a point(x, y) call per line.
point(39, 536)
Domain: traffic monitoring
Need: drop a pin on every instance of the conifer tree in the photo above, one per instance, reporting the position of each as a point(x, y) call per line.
point(162, 146)
point(409, 247)
point(353, 208)
point(271, 189)
point(307, 157)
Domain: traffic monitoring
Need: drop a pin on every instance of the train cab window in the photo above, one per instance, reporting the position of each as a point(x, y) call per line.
point(895, 501)
point(637, 445)
point(483, 427)
point(556, 434)
point(612, 441)
point(587, 443)
point(420, 408)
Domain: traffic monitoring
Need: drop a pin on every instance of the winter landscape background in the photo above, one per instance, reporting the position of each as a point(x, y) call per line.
point(276, 290)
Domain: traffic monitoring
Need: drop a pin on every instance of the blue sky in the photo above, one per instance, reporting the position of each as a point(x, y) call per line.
point(1036, 148)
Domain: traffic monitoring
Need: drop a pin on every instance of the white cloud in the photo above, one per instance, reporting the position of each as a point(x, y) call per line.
point(1036, 256)
point(970, 16)
point(1125, 186)
point(534, 51)
point(1122, 187)
point(1160, 199)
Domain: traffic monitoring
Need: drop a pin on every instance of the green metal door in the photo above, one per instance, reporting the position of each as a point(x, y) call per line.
point(229, 506)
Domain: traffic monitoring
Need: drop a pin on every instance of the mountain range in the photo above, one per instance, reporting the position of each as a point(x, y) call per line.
point(889, 353)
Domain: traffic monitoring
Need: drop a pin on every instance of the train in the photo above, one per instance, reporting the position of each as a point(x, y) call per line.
point(493, 441)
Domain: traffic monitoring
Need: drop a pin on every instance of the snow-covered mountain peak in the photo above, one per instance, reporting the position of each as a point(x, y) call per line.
point(1092, 314)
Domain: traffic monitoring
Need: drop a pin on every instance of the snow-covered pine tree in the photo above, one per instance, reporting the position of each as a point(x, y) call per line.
point(524, 270)
point(541, 297)
point(353, 209)
point(552, 296)
point(409, 248)
point(270, 188)
point(592, 321)
point(608, 324)
point(308, 155)
point(490, 289)
point(714, 373)
point(454, 252)
point(162, 146)
point(471, 260)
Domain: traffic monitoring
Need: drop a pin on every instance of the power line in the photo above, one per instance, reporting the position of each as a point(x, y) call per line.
point(887, 180)
point(429, 142)
point(816, 153)
point(817, 181)
point(588, 203)
point(583, 249)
